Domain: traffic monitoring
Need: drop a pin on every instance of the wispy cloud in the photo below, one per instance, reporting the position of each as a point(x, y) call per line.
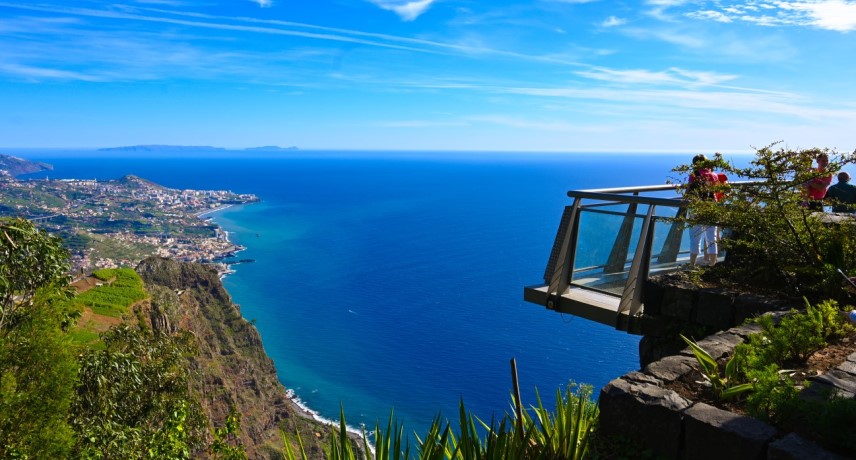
point(163, 2)
point(673, 76)
point(406, 10)
point(41, 74)
point(717, 16)
point(286, 28)
point(683, 38)
point(834, 15)
point(613, 21)
point(573, 1)
point(727, 101)
point(541, 124)
point(263, 3)
point(418, 124)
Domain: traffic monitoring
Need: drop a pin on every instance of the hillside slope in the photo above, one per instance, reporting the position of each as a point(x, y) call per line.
point(15, 166)
point(232, 366)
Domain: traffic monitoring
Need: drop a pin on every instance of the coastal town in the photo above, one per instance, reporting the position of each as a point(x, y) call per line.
point(117, 223)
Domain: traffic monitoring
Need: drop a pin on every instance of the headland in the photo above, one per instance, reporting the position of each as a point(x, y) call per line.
point(120, 222)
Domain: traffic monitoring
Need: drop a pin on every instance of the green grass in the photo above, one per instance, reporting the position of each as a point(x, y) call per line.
point(115, 298)
point(83, 337)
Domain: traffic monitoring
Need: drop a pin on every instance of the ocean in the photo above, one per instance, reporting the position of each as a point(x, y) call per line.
point(389, 281)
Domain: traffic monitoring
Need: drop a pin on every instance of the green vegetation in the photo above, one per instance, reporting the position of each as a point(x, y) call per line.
point(723, 384)
point(84, 337)
point(132, 399)
point(567, 433)
point(25, 198)
point(797, 336)
point(122, 288)
point(37, 367)
point(106, 247)
point(76, 240)
point(760, 366)
point(127, 400)
point(226, 445)
point(774, 242)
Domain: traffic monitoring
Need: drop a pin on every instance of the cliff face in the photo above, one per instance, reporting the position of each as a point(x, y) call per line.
point(232, 367)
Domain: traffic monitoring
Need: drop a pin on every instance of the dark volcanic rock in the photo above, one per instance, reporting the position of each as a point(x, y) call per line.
point(625, 405)
point(795, 447)
point(712, 433)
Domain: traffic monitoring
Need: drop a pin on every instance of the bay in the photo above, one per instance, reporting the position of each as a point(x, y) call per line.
point(394, 280)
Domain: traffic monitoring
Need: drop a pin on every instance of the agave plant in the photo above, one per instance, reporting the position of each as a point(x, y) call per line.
point(722, 385)
point(565, 434)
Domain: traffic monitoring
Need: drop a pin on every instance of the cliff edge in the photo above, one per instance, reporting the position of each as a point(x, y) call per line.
point(232, 367)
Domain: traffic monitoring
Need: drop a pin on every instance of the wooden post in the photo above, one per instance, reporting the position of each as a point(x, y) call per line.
point(518, 406)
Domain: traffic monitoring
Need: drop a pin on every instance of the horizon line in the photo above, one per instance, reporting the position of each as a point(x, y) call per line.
point(286, 151)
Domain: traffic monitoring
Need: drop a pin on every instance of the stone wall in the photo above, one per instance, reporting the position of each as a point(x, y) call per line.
point(639, 407)
point(673, 304)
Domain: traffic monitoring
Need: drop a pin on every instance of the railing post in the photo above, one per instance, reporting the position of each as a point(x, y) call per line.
point(618, 256)
point(644, 269)
point(630, 301)
point(672, 245)
point(563, 262)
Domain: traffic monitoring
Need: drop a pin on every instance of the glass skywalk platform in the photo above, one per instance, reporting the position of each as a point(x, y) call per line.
point(608, 243)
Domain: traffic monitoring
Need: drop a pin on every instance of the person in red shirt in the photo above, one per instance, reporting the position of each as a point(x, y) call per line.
point(816, 188)
point(703, 238)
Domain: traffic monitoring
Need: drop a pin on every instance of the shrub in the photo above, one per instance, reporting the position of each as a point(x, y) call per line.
point(797, 336)
point(775, 242)
point(132, 399)
point(774, 393)
point(775, 397)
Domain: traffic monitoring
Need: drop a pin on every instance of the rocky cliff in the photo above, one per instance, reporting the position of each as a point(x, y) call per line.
point(232, 367)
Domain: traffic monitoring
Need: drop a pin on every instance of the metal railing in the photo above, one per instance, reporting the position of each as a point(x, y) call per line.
point(616, 275)
point(582, 256)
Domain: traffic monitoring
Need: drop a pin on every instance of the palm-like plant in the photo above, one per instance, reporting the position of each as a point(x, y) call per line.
point(563, 434)
point(723, 385)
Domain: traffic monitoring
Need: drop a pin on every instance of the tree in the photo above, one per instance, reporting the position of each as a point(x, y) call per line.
point(37, 367)
point(30, 260)
point(132, 399)
point(773, 240)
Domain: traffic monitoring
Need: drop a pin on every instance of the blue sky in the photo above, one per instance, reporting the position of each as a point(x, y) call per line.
point(547, 75)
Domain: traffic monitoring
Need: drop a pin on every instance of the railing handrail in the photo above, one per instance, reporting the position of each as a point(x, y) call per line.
point(619, 193)
point(634, 189)
point(624, 199)
point(657, 188)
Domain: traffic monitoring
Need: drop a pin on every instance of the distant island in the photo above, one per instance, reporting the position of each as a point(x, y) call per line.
point(270, 148)
point(159, 148)
point(14, 166)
